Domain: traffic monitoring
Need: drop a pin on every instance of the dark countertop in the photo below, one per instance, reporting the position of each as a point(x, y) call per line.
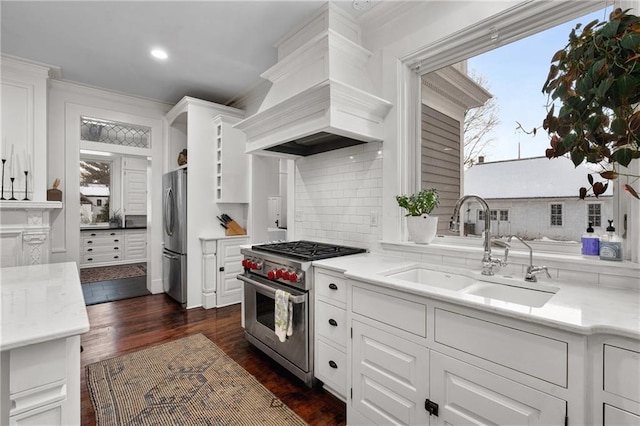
point(102, 228)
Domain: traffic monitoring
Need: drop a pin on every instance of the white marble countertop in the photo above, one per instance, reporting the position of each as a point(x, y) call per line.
point(582, 309)
point(40, 303)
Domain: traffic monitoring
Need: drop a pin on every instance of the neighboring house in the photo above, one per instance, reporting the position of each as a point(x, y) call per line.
point(97, 195)
point(447, 94)
point(544, 204)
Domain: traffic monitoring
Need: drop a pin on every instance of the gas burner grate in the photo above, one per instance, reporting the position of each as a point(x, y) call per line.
point(308, 250)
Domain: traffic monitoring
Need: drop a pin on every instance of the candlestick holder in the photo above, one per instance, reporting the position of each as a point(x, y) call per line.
point(4, 160)
point(12, 197)
point(26, 185)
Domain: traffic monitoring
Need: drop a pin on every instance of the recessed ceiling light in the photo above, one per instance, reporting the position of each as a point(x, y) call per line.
point(159, 54)
point(361, 4)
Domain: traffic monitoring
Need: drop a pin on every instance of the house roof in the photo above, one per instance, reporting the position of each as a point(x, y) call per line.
point(95, 191)
point(537, 177)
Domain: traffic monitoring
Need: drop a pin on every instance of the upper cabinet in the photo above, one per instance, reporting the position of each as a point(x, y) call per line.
point(23, 128)
point(231, 162)
point(134, 185)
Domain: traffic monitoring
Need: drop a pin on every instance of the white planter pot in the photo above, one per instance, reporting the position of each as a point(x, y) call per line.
point(422, 229)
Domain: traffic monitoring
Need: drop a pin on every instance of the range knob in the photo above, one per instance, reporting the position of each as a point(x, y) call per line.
point(271, 275)
point(257, 265)
point(245, 263)
point(294, 278)
point(279, 273)
point(285, 275)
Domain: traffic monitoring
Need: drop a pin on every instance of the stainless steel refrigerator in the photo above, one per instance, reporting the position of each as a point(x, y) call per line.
point(174, 225)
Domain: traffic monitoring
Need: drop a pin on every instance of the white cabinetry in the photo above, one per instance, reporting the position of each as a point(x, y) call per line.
point(616, 372)
point(135, 245)
point(134, 186)
point(102, 247)
point(331, 331)
point(44, 383)
point(420, 361)
point(221, 262)
point(231, 163)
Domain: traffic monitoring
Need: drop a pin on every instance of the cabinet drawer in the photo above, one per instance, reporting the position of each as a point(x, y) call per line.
point(332, 287)
point(331, 323)
point(102, 241)
point(99, 258)
point(401, 313)
point(616, 417)
point(331, 367)
point(619, 366)
point(86, 250)
point(104, 233)
point(529, 353)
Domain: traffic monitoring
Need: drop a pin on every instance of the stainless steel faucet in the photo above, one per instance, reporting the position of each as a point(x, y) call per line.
point(488, 263)
point(532, 270)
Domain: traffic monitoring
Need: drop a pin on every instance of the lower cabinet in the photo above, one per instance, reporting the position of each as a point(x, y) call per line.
point(43, 383)
point(467, 395)
point(390, 377)
point(104, 247)
point(221, 263)
point(415, 361)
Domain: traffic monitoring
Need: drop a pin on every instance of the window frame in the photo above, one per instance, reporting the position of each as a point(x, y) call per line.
point(512, 24)
point(113, 180)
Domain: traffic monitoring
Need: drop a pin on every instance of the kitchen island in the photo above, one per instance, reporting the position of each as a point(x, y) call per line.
point(43, 315)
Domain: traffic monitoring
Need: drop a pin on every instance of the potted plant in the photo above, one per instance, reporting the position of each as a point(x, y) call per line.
point(116, 219)
point(422, 227)
point(595, 80)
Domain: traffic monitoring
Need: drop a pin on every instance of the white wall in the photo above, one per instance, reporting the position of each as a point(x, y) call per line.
point(336, 195)
point(67, 101)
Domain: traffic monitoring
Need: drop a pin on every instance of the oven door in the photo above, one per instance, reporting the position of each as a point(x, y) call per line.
point(259, 314)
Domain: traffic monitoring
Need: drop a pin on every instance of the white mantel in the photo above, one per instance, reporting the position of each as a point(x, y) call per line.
point(24, 232)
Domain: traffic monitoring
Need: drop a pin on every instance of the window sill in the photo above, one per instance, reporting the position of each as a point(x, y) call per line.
point(568, 267)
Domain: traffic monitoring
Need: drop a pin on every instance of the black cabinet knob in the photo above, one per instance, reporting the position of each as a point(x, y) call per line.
point(332, 286)
point(90, 249)
point(332, 364)
point(89, 242)
point(333, 322)
point(116, 248)
point(113, 233)
point(93, 235)
point(90, 259)
point(116, 241)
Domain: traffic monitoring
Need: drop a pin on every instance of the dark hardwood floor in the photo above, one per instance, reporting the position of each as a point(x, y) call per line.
point(125, 326)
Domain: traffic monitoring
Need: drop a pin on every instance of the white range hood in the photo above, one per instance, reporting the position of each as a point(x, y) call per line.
point(321, 97)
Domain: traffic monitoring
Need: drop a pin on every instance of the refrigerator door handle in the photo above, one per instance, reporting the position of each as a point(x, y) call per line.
point(169, 205)
point(168, 256)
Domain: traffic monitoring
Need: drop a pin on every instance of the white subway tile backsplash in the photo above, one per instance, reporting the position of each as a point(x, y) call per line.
point(336, 192)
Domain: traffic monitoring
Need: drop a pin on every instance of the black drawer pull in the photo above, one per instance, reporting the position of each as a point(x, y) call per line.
point(93, 235)
point(332, 364)
point(116, 248)
point(116, 241)
point(90, 249)
point(333, 322)
point(113, 233)
point(332, 286)
point(115, 257)
point(89, 242)
point(91, 258)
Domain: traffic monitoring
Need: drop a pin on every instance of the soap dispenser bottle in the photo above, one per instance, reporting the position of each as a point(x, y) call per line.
point(611, 244)
point(590, 242)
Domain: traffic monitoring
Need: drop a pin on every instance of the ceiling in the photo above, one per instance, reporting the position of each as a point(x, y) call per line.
point(217, 49)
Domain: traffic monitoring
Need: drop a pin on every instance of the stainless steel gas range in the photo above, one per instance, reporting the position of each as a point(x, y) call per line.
point(285, 266)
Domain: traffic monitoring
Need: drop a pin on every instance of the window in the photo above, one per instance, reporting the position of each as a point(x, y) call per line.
point(95, 191)
point(594, 214)
point(114, 133)
point(511, 179)
point(556, 215)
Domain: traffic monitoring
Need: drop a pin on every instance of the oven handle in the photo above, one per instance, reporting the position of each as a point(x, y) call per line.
point(296, 300)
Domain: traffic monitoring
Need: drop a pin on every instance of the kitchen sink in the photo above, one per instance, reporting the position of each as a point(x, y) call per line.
point(532, 297)
point(433, 278)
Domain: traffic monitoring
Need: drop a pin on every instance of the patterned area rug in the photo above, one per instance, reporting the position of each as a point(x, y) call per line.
point(108, 273)
point(189, 381)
